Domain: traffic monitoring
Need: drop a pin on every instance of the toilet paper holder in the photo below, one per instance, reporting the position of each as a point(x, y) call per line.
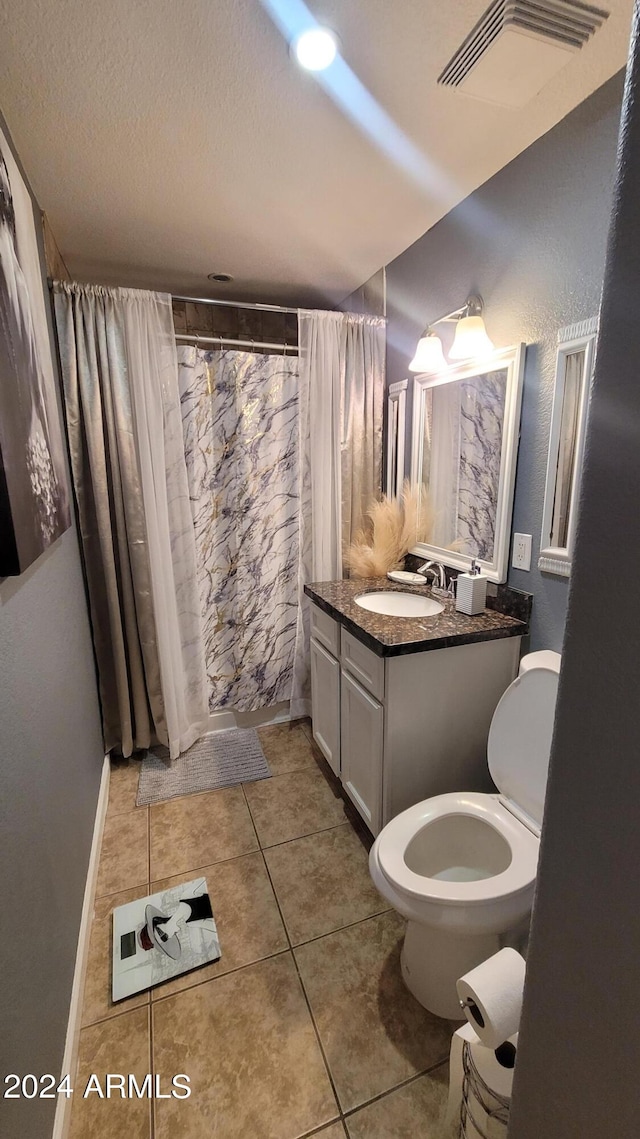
point(480, 1103)
point(470, 1004)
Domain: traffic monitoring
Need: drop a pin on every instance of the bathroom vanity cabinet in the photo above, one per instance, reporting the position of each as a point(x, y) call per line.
point(325, 685)
point(400, 728)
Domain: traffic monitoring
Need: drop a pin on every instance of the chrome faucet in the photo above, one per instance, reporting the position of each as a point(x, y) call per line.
point(435, 572)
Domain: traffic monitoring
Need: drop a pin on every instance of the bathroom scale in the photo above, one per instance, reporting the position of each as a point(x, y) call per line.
point(161, 936)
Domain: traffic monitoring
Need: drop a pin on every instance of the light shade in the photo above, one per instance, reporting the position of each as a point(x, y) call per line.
point(471, 340)
point(315, 49)
point(429, 356)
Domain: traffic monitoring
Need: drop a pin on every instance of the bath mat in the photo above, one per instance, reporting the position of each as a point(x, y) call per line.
point(217, 760)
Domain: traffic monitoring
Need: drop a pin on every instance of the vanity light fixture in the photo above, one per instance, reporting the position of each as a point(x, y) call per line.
point(469, 343)
point(429, 356)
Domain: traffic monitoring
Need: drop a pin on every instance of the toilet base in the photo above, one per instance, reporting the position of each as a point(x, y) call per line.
point(433, 960)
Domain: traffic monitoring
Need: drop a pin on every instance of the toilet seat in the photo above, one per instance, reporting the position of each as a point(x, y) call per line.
point(394, 839)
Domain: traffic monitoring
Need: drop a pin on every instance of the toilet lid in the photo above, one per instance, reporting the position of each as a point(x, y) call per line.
point(544, 658)
point(520, 740)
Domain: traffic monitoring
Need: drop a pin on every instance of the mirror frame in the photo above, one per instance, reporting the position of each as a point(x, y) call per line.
point(511, 359)
point(396, 394)
point(575, 338)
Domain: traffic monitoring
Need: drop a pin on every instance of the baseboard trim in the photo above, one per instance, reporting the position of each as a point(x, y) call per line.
point(70, 1058)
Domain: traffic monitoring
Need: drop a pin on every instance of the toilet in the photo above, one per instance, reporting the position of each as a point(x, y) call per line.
point(461, 867)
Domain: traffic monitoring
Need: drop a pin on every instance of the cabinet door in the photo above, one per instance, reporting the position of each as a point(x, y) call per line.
point(362, 737)
point(325, 704)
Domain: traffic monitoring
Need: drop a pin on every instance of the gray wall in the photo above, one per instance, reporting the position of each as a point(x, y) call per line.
point(532, 242)
point(579, 1055)
point(51, 760)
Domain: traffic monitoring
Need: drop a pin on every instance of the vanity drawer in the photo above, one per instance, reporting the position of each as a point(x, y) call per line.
point(363, 664)
point(325, 630)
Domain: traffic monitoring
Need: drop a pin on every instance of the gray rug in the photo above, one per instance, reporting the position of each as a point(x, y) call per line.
point(217, 760)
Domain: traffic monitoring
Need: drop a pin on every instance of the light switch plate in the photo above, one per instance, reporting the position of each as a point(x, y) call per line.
point(521, 558)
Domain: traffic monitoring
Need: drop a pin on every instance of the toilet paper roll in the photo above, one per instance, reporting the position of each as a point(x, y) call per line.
point(496, 1065)
point(491, 996)
point(495, 1070)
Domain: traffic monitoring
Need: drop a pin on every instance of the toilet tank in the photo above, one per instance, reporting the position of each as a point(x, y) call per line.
point(543, 659)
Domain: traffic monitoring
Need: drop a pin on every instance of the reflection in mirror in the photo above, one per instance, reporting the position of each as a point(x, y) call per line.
point(396, 403)
point(574, 367)
point(464, 449)
point(461, 452)
point(565, 467)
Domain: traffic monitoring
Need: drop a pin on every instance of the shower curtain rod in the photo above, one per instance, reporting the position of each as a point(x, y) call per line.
point(236, 304)
point(220, 340)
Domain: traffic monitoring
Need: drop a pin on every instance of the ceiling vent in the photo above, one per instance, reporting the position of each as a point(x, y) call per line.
point(518, 46)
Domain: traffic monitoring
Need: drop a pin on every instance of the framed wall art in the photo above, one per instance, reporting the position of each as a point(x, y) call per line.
point(34, 493)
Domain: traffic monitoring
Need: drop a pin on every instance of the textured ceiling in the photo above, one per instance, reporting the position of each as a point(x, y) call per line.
point(167, 139)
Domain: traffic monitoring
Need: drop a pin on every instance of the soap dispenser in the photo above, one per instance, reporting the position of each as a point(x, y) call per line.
point(471, 591)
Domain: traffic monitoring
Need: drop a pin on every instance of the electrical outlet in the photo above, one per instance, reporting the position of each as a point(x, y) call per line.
point(521, 558)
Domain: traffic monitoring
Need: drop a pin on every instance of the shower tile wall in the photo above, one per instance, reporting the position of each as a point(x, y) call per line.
point(240, 424)
point(236, 323)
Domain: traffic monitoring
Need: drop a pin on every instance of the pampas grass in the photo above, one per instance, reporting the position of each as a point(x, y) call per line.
point(393, 528)
point(418, 516)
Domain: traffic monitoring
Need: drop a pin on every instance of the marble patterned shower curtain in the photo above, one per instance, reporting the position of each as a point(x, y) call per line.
point(241, 426)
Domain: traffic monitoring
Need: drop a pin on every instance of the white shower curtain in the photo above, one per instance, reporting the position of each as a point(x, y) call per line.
point(342, 358)
point(153, 368)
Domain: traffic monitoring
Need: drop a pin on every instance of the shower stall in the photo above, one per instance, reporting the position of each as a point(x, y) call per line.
point(273, 501)
point(206, 498)
point(245, 450)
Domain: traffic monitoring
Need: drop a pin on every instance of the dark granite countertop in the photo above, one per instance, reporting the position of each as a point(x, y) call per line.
point(397, 636)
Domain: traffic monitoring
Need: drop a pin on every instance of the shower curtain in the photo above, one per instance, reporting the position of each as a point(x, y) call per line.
point(250, 501)
point(198, 478)
point(119, 369)
point(342, 360)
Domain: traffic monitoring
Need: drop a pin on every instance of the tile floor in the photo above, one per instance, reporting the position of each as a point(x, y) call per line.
point(303, 1026)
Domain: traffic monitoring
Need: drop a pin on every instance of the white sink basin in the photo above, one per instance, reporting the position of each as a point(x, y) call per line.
point(395, 604)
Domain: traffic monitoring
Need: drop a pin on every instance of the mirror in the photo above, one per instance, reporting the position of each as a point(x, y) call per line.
point(396, 412)
point(574, 368)
point(465, 438)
